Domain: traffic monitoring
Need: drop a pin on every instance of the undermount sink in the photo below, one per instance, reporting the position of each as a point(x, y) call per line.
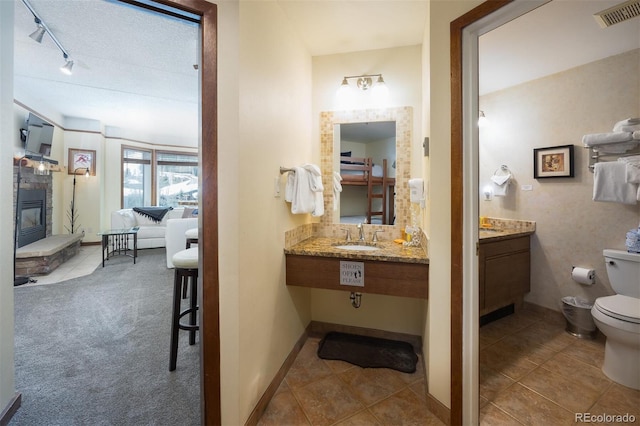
point(356, 247)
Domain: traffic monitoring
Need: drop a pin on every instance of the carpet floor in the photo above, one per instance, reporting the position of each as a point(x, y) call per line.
point(95, 350)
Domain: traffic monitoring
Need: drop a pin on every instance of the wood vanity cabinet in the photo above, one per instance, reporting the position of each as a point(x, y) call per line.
point(389, 278)
point(505, 269)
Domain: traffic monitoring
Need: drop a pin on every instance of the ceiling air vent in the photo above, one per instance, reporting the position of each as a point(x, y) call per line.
point(616, 14)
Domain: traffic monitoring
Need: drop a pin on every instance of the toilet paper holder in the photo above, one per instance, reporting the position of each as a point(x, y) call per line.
point(583, 275)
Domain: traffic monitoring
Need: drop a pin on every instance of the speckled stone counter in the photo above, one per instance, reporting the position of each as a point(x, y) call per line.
point(503, 229)
point(388, 251)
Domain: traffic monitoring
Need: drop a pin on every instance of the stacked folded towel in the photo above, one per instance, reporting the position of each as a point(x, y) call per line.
point(625, 136)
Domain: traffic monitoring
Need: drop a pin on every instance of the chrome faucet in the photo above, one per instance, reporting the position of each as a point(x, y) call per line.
point(361, 232)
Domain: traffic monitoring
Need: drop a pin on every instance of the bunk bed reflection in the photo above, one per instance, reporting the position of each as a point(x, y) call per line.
point(377, 184)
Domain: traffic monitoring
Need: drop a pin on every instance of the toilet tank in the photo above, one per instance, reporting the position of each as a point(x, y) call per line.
point(623, 269)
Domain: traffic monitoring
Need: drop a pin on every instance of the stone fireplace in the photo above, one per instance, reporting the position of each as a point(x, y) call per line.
point(38, 252)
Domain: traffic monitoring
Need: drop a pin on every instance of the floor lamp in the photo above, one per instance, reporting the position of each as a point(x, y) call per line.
point(72, 210)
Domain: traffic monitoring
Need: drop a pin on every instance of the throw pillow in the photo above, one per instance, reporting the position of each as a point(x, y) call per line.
point(127, 218)
point(187, 212)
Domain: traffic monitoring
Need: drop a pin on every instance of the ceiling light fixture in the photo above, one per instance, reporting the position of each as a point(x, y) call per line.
point(39, 33)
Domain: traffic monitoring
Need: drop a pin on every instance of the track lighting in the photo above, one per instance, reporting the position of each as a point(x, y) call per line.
point(39, 33)
point(68, 66)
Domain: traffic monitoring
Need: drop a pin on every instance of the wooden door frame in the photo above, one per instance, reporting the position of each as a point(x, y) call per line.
point(457, 201)
point(208, 283)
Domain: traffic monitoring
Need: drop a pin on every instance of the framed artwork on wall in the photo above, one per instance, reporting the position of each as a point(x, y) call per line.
point(81, 159)
point(553, 162)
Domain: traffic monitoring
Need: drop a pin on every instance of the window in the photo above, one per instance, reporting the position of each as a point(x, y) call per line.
point(160, 178)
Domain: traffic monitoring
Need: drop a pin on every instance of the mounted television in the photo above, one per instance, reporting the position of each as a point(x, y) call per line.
point(37, 136)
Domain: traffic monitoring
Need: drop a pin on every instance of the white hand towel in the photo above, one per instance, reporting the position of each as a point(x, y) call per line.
point(337, 189)
point(609, 183)
point(501, 184)
point(606, 138)
point(636, 135)
point(316, 187)
point(632, 168)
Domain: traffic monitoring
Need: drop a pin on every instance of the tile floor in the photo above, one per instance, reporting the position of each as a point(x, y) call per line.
point(324, 392)
point(531, 373)
point(83, 263)
point(534, 373)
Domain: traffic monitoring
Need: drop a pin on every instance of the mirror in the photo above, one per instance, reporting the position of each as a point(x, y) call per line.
point(332, 125)
point(367, 161)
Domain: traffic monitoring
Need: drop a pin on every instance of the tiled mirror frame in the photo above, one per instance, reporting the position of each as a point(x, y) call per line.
point(403, 116)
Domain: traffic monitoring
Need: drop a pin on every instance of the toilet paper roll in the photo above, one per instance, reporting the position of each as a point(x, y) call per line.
point(583, 275)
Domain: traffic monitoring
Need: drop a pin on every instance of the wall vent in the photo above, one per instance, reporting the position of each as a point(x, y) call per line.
point(620, 13)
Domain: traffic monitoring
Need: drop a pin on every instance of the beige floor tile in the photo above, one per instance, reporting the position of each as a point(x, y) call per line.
point(567, 393)
point(530, 408)
point(404, 408)
point(338, 366)
point(544, 334)
point(524, 348)
point(283, 409)
point(420, 389)
point(371, 385)
point(492, 382)
point(582, 373)
point(619, 399)
point(363, 418)
point(307, 367)
point(509, 364)
point(327, 401)
point(491, 415)
point(591, 352)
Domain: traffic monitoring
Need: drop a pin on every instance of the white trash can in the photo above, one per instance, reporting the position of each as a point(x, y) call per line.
point(577, 312)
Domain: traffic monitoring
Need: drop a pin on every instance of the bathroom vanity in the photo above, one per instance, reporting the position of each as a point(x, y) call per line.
point(504, 266)
point(390, 268)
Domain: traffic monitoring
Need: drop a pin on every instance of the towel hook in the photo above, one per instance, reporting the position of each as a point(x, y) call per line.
point(503, 168)
point(285, 170)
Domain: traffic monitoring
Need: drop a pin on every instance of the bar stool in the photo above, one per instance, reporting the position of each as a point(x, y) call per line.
point(192, 236)
point(186, 269)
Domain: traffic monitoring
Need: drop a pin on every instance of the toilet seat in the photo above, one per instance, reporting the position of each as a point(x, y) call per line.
point(618, 306)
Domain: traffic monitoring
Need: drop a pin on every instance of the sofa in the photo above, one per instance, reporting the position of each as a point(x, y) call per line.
point(153, 234)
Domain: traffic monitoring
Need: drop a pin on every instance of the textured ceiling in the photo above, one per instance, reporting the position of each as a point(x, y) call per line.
point(134, 69)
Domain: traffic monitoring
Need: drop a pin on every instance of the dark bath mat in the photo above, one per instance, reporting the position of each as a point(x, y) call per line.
point(368, 352)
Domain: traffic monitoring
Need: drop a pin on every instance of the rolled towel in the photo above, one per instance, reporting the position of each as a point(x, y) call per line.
point(606, 138)
point(618, 148)
point(628, 125)
point(337, 189)
point(636, 135)
point(609, 184)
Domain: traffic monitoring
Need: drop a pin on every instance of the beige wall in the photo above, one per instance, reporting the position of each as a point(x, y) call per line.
point(401, 69)
point(438, 356)
point(7, 132)
point(572, 229)
point(261, 317)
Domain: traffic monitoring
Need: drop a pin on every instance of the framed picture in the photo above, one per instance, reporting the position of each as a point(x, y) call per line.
point(81, 159)
point(553, 162)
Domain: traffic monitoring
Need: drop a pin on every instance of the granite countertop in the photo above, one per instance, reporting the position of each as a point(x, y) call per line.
point(504, 229)
point(388, 251)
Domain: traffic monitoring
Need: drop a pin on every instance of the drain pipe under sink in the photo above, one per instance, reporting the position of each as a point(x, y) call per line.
point(356, 299)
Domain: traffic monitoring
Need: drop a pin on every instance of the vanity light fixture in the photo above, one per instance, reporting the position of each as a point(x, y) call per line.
point(364, 82)
point(39, 33)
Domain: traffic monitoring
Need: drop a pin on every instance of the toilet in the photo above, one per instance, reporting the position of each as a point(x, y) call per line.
point(618, 318)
